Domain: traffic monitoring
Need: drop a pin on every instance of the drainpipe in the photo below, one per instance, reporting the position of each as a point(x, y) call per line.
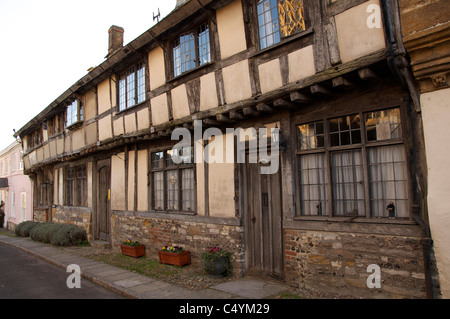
point(398, 62)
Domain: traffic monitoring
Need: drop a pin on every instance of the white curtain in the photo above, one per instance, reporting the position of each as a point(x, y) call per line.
point(348, 183)
point(388, 181)
point(313, 184)
point(187, 186)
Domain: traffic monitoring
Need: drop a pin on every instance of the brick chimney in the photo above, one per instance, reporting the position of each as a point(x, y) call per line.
point(115, 39)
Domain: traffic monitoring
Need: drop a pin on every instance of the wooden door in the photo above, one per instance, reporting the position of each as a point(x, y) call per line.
point(104, 200)
point(264, 240)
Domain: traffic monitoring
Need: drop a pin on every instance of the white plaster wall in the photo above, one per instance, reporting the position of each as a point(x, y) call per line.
point(436, 125)
point(230, 25)
point(236, 80)
point(355, 38)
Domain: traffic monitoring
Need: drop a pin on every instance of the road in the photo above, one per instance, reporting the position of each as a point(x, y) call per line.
point(23, 276)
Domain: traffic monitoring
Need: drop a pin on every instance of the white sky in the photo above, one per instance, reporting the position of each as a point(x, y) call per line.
point(46, 46)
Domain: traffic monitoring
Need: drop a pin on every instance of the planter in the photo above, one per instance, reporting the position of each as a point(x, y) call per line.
point(133, 251)
point(176, 259)
point(217, 267)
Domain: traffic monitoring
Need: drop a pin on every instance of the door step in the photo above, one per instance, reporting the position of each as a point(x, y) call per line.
point(101, 244)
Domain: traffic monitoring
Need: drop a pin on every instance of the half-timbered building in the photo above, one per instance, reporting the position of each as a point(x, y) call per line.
point(330, 75)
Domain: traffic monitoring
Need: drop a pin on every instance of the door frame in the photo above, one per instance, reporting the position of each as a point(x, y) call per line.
point(100, 164)
point(246, 218)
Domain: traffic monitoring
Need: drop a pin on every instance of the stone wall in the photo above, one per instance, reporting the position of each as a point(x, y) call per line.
point(78, 216)
point(332, 264)
point(194, 233)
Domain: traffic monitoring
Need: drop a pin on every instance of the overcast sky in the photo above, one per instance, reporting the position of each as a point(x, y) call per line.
point(46, 46)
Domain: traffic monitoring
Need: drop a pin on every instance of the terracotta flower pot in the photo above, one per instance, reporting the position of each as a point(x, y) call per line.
point(176, 259)
point(133, 251)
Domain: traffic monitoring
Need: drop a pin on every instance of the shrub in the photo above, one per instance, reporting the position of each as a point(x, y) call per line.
point(24, 228)
point(68, 235)
point(42, 232)
point(59, 234)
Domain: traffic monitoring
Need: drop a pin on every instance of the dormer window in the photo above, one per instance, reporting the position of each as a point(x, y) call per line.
point(74, 113)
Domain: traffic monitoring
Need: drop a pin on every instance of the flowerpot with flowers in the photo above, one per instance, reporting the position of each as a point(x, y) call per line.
point(217, 262)
point(132, 249)
point(174, 255)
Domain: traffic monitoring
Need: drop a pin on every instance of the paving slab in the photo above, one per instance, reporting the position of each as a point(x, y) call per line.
point(251, 288)
point(134, 285)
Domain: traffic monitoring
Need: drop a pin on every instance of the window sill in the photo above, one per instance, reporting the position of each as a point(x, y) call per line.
point(284, 42)
point(74, 126)
point(360, 219)
point(119, 112)
point(172, 212)
point(190, 72)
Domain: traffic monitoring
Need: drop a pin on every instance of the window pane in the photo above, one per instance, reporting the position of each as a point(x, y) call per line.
point(187, 189)
point(81, 186)
point(131, 93)
point(122, 93)
point(291, 17)
point(158, 190)
point(312, 184)
point(388, 181)
point(348, 183)
point(204, 55)
point(345, 130)
point(311, 136)
point(140, 83)
point(268, 23)
point(184, 54)
point(157, 160)
point(383, 125)
point(172, 189)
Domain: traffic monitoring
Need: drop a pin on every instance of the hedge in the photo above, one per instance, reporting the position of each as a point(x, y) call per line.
point(23, 229)
point(55, 234)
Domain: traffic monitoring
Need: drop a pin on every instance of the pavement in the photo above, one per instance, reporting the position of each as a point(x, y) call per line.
point(136, 286)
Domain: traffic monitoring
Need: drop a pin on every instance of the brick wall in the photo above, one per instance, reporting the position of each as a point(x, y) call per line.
point(332, 264)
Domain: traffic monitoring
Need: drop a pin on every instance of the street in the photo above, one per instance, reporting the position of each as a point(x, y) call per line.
point(23, 276)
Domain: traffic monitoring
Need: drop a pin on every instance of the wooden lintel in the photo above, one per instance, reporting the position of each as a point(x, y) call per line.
point(301, 98)
point(250, 111)
point(319, 90)
point(342, 83)
point(367, 75)
point(264, 108)
point(162, 133)
point(222, 118)
point(282, 103)
point(235, 115)
point(188, 126)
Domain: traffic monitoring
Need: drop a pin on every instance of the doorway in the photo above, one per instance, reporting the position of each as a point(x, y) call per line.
point(263, 222)
point(104, 200)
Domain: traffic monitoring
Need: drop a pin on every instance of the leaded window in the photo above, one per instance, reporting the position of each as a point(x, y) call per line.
point(191, 50)
point(278, 19)
point(132, 87)
point(74, 113)
point(351, 168)
point(173, 180)
point(76, 186)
